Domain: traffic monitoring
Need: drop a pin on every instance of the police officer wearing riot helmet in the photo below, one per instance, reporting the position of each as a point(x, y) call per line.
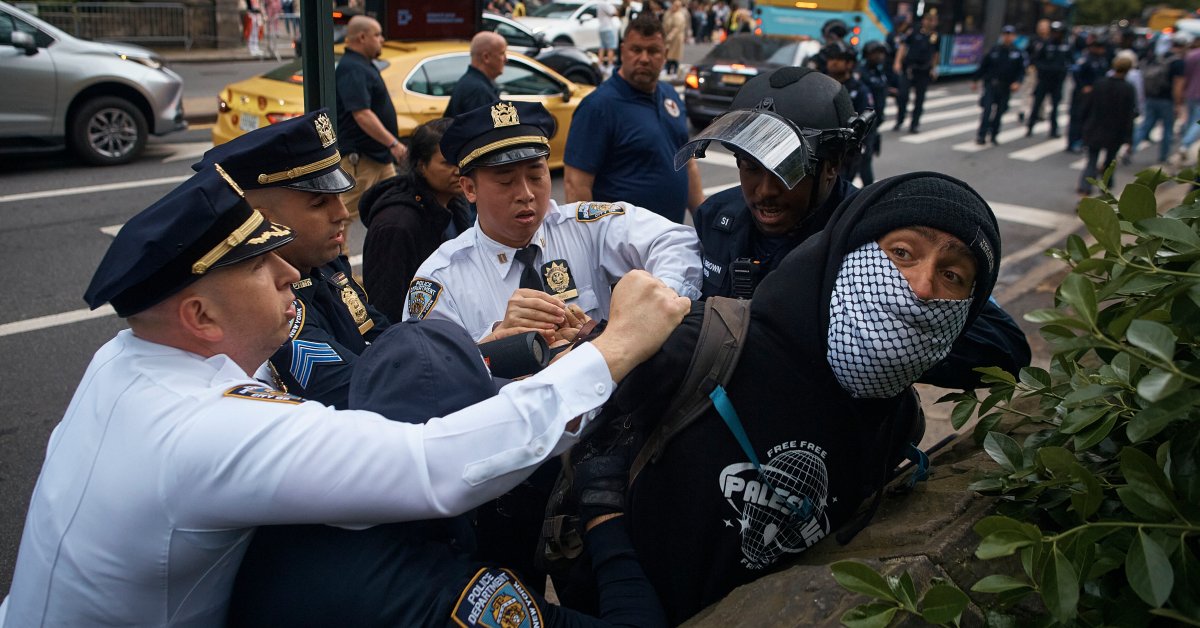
point(746, 231)
point(917, 60)
point(841, 59)
point(1002, 72)
point(1051, 58)
point(786, 196)
point(290, 171)
point(877, 75)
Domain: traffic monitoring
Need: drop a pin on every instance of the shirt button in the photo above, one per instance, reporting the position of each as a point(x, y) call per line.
point(540, 450)
point(600, 388)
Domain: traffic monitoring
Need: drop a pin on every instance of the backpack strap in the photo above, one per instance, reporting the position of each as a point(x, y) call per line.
point(722, 337)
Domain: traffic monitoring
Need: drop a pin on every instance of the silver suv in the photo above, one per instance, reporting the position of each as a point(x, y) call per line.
point(100, 100)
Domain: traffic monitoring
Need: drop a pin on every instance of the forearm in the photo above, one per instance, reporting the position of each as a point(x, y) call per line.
point(578, 184)
point(695, 186)
point(372, 126)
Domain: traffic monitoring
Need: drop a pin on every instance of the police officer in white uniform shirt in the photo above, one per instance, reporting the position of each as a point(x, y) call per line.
point(170, 452)
point(529, 263)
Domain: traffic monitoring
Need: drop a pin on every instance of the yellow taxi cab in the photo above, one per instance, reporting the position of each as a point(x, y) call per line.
point(420, 77)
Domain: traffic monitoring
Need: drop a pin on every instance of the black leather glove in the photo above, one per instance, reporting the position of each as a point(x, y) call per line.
point(601, 475)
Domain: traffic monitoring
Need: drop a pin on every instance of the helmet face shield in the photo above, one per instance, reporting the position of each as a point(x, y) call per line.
point(769, 138)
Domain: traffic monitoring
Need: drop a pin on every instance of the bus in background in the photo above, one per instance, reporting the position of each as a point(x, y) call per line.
point(967, 29)
point(868, 19)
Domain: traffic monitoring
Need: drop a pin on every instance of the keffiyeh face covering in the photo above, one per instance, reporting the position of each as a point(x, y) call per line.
point(881, 336)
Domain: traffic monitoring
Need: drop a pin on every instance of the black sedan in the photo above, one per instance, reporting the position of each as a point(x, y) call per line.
point(574, 64)
point(711, 84)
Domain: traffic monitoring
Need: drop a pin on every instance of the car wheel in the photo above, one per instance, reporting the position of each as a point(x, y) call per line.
point(108, 130)
point(563, 40)
point(580, 76)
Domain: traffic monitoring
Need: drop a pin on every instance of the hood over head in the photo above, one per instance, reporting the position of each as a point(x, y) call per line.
point(793, 301)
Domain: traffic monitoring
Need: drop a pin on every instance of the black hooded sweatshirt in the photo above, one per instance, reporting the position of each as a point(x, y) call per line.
point(405, 225)
point(702, 519)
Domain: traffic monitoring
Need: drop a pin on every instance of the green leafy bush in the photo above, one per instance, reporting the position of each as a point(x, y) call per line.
point(1100, 493)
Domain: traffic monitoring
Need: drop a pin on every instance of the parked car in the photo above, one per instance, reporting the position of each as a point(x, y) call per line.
point(711, 84)
point(420, 77)
point(101, 100)
point(580, 67)
point(566, 23)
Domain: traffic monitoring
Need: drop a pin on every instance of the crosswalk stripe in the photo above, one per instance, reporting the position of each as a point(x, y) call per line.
point(938, 103)
point(960, 112)
point(1017, 133)
point(1030, 216)
point(944, 132)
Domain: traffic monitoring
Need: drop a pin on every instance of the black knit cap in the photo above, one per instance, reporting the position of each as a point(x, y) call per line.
point(940, 202)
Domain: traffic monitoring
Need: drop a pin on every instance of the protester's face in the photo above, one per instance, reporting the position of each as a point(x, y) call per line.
point(642, 59)
point(441, 175)
point(317, 219)
point(936, 264)
point(1009, 38)
point(512, 199)
point(776, 209)
point(252, 302)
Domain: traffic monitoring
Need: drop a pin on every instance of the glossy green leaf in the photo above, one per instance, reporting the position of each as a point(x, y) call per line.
point(999, 583)
point(1158, 384)
point(1087, 499)
point(1089, 394)
point(1095, 433)
point(1080, 418)
point(1171, 230)
point(1002, 543)
point(1077, 249)
point(996, 375)
point(877, 615)
point(1080, 294)
point(1185, 463)
point(1141, 508)
point(861, 578)
point(998, 523)
point(1155, 338)
point(1137, 202)
point(1148, 570)
point(1101, 222)
point(1153, 418)
point(1143, 475)
point(1004, 450)
point(905, 591)
point(943, 604)
point(963, 411)
point(1060, 587)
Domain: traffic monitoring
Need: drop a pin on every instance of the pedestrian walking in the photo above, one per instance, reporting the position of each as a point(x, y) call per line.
point(1107, 121)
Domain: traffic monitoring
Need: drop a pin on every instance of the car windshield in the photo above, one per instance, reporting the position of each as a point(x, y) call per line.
point(746, 48)
point(293, 72)
point(556, 10)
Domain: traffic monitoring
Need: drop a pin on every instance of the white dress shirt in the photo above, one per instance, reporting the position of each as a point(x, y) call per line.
point(470, 279)
point(165, 461)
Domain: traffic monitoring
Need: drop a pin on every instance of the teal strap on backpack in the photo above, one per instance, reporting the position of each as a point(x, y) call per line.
point(920, 462)
point(725, 408)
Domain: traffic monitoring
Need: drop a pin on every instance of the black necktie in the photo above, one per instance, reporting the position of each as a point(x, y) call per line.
point(529, 277)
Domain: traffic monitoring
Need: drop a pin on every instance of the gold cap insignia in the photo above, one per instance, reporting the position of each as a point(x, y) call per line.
point(504, 114)
point(325, 130)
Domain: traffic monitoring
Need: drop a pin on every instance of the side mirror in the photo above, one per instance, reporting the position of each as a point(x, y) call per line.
point(567, 93)
point(24, 41)
point(539, 40)
point(586, 17)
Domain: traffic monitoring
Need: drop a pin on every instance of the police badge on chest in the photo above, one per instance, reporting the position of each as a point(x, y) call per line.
point(559, 281)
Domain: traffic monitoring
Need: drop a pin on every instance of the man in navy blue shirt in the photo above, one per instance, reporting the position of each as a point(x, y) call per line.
point(624, 135)
point(366, 118)
point(477, 88)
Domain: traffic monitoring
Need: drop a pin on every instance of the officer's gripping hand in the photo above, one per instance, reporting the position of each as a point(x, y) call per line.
point(643, 313)
point(534, 309)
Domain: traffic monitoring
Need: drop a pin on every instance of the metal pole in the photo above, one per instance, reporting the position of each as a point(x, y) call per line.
point(316, 29)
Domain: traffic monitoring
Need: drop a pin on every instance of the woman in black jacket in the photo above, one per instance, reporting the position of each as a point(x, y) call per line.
point(1108, 115)
point(408, 216)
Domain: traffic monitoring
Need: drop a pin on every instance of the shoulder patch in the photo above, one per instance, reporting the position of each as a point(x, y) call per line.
point(495, 598)
point(422, 296)
point(262, 393)
point(589, 211)
point(306, 355)
point(298, 322)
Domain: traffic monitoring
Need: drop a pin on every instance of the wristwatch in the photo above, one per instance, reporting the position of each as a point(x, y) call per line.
point(394, 142)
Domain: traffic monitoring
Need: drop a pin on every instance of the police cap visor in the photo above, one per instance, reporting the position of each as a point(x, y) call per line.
point(769, 138)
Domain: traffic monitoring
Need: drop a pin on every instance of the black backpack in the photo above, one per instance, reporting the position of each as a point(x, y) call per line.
point(1155, 79)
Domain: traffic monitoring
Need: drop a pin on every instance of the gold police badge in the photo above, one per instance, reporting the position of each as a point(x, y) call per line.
point(354, 304)
point(325, 130)
point(558, 279)
point(504, 114)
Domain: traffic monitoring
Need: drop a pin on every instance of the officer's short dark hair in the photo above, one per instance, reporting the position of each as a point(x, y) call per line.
point(646, 25)
point(426, 139)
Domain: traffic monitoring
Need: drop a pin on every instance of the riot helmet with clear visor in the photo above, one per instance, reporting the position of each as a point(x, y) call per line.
point(789, 120)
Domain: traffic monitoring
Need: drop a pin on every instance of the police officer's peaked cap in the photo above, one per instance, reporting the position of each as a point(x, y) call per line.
point(1009, 29)
point(806, 97)
point(203, 224)
point(502, 133)
point(300, 153)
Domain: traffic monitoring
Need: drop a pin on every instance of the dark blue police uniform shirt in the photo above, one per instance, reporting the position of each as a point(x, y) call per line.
point(627, 139)
point(474, 90)
point(921, 48)
point(359, 86)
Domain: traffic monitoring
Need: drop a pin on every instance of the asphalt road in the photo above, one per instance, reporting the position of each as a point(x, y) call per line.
point(57, 216)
